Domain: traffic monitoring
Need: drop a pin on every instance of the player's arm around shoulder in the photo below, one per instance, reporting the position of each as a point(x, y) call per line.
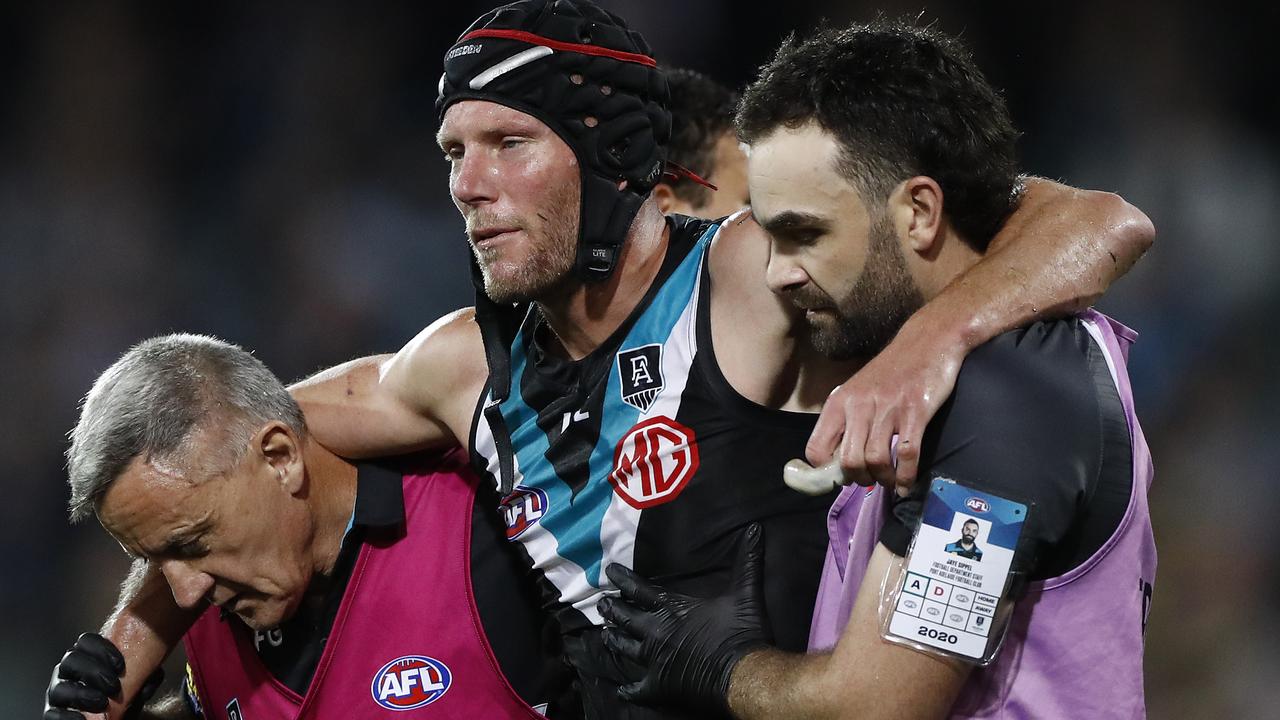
point(1059, 250)
point(420, 397)
point(1084, 239)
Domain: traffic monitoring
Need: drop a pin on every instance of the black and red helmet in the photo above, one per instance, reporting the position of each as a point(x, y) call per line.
point(580, 70)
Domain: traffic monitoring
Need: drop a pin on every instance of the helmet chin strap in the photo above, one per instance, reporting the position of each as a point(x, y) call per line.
point(598, 252)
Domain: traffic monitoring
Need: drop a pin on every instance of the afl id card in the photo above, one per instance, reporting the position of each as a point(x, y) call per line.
point(956, 573)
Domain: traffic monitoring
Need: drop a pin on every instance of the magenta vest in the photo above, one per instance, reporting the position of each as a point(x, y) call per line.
point(1074, 647)
point(406, 642)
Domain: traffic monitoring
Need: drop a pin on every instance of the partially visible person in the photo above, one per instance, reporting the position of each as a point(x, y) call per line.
point(323, 588)
point(881, 161)
point(704, 142)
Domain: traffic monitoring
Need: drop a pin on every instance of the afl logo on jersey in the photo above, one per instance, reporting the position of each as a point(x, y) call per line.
point(653, 462)
point(522, 510)
point(977, 505)
point(640, 373)
point(410, 682)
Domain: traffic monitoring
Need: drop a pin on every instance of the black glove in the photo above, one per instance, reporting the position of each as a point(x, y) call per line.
point(89, 674)
point(586, 653)
point(689, 645)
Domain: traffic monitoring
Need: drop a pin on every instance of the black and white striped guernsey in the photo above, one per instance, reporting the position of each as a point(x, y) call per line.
point(641, 453)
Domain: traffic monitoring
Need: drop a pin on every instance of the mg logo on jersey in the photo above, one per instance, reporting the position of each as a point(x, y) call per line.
point(640, 370)
point(977, 504)
point(522, 509)
point(410, 682)
point(653, 462)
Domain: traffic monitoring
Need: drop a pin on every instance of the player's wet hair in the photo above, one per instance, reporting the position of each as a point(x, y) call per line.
point(701, 113)
point(162, 394)
point(902, 101)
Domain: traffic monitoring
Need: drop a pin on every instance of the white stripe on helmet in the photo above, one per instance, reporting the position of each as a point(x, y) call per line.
point(515, 61)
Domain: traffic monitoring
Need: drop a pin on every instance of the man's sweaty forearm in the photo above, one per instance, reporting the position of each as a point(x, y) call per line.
point(1057, 253)
point(776, 684)
point(146, 626)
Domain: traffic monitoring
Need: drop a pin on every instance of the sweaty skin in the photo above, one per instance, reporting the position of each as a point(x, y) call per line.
point(1060, 249)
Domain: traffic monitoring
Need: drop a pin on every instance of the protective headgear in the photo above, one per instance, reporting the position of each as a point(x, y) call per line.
point(594, 82)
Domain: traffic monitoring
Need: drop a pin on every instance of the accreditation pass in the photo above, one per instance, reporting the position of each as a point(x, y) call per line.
point(956, 571)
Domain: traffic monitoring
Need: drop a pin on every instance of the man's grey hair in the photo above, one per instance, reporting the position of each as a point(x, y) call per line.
point(157, 397)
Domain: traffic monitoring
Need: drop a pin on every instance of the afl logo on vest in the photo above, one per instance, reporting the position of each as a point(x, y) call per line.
point(653, 462)
point(410, 682)
point(522, 510)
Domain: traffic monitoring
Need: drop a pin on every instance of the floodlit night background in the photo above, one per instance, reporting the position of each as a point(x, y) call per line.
point(267, 173)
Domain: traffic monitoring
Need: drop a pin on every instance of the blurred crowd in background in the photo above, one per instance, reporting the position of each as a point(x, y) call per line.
point(267, 173)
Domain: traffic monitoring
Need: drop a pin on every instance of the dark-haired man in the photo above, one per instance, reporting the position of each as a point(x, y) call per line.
point(881, 178)
point(967, 544)
point(630, 375)
point(704, 142)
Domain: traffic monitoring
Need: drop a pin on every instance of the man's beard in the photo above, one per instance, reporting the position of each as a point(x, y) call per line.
point(548, 264)
point(874, 310)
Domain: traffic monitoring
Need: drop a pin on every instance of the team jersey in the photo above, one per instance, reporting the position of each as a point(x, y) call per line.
point(405, 634)
point(1043, 415)
point(642, 454)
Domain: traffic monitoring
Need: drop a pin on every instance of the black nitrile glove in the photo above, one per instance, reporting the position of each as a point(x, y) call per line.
point(689, 645)
point(89, 674)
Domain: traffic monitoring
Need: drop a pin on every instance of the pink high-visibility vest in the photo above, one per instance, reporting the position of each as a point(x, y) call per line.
point(406, 642)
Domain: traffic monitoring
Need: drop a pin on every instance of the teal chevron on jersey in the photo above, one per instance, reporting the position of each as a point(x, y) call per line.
point(580, 541)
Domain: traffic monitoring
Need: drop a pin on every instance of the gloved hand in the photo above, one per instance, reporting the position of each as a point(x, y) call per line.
point(689, 645)
point(89, 674)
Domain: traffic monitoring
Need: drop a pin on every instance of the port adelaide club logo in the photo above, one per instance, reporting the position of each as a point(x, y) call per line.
point(640, 370)
point(410, 682)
